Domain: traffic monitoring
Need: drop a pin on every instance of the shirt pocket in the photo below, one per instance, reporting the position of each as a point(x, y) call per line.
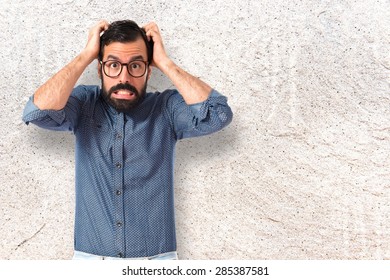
point(96, 138)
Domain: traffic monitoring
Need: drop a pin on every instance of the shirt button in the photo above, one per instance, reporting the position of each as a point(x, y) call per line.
point(118, 136)
point(118, 192)
point(118, 165)
point(119, 224)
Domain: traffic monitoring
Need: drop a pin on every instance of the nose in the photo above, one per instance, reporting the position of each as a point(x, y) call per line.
point(125, 76)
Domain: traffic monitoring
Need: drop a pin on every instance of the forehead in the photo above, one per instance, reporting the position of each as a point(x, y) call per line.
point(126, 51)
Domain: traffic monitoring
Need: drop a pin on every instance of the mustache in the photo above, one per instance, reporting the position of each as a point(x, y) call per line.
point(125, 86)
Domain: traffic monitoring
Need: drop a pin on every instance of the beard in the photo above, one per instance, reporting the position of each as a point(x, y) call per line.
point(121, 105)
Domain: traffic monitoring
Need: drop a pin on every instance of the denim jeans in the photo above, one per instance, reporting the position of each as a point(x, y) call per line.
point(86, 256)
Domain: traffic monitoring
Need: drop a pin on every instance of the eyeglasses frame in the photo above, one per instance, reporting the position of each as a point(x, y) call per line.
point(123, 64)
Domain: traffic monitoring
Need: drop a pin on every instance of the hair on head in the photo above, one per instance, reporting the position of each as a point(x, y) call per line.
point(124, 31)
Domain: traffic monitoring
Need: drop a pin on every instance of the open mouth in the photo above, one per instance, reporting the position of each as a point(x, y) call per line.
point(123, 94)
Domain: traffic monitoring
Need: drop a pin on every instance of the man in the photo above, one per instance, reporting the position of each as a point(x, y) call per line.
point(125, 139)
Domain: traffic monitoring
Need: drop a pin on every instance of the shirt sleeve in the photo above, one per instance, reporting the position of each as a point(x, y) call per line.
point(198, 119)
point(61, 120)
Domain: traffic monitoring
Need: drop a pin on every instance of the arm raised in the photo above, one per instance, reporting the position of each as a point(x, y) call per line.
point(54, 94)
point(191, 88)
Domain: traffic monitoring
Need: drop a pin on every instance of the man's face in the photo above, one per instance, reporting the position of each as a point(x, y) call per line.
point(124, 92)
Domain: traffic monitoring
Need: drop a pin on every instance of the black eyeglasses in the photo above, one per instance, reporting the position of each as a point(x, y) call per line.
point(113, 68)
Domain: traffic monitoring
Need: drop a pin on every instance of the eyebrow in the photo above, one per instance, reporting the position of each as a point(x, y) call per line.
point(137, 57)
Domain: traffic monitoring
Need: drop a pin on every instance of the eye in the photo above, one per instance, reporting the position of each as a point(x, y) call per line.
point(113, 64)
point(135, 65)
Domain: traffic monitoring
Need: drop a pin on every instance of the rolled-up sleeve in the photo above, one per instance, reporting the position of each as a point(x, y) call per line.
point(43, 118)
point(62, 120)
point(199, 119)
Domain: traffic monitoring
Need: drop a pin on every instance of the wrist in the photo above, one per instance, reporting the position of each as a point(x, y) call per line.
point(86, 57)
point(166, 66)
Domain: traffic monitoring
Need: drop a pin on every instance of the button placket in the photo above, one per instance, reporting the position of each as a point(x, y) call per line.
point(118, 184)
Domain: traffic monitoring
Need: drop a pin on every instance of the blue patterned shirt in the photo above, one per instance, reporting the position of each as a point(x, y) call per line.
point(124, 166)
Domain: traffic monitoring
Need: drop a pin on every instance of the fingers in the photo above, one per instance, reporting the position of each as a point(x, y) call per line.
point(93, 45)
point(152, 30)
point(101, 26)
point(98, 28)
point(160, 57)
point(151, 26)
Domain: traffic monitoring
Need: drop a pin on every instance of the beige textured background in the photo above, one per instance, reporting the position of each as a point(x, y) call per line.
point(303, 172)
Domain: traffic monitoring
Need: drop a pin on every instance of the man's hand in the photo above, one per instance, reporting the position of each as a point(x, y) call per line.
point(160, 57)
point(54, 94)
point(91, 50)
point(191, 88)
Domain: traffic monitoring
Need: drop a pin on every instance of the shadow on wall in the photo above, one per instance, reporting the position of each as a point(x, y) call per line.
point(205, 147)
point(53, 142)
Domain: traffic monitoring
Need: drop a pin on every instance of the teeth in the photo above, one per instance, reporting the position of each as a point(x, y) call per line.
point(124, 92)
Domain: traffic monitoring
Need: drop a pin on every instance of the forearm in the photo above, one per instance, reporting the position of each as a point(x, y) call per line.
point(199, 119)
point(191, 88)
point(54, 94)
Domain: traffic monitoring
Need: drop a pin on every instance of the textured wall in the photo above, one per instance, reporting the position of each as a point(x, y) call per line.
point(303, 172)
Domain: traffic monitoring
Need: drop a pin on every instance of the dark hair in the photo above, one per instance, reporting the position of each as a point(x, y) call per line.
point(125, 31)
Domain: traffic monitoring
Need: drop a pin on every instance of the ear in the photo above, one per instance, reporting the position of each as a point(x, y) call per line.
point(149, 72)
point(99, 69)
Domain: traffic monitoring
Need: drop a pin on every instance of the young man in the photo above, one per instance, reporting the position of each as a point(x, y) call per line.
point(125, 139)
